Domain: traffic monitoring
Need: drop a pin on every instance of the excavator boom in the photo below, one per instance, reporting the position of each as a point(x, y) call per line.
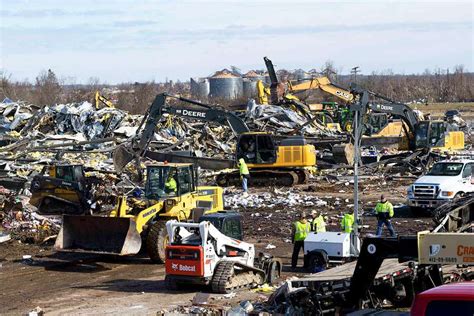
point(321, 83)
point(123, 155)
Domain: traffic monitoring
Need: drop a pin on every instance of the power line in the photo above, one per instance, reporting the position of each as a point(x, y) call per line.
point(354, 72)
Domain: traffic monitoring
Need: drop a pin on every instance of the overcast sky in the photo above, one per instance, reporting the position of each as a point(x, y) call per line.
point(134, 40)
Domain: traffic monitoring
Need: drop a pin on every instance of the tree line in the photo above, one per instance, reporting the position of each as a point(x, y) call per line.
point(446, 85)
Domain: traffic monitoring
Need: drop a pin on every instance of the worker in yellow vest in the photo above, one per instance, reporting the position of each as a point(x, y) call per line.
point(170, 185)
point(244, 174)
point(318, 224)
point(384, 212)
point(347, 223)
point(300, 230)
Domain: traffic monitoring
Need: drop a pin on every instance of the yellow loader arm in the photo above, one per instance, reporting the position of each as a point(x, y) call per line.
point(324, 84)
point(142, 218)
point(100, 99)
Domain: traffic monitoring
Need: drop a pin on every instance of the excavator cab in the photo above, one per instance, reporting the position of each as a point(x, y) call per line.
point(257, 148)
point(436, 135)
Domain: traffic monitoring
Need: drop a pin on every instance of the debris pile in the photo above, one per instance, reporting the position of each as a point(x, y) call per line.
point(277, 118)
point(22, 222)
point(276, 198)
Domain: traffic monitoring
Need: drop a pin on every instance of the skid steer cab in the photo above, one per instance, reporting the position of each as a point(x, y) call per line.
point(200, 253)
point(170, 192)
point(61, 189)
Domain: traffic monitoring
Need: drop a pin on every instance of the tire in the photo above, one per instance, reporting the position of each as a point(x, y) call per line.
point(156, 241)
point(274, 272)
point(407, 299)
point(458, 196)
point(315, 262)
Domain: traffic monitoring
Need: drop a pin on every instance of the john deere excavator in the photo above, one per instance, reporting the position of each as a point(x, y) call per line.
point(171, 192)
point(428, 134)
point(271, 159)
point(416, 133)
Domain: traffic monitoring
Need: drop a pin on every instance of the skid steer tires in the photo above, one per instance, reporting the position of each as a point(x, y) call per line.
point(156, 241)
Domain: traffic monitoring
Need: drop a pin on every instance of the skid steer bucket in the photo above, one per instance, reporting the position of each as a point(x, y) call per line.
point(108, 235)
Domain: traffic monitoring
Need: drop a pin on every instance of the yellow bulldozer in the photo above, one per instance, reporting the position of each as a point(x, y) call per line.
point(61, 189)
point(170, 192)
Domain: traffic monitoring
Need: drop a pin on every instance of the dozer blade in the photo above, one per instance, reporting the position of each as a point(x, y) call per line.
point(94, 234)
point(121, 157)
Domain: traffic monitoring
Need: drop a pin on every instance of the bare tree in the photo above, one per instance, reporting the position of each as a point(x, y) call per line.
point(6, 87)
point(47, 88)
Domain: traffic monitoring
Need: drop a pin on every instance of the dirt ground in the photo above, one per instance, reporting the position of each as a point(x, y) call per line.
point(66, 283)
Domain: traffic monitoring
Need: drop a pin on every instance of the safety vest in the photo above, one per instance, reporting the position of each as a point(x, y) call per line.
point(386, 207)
point(319, 225)
point(243, 169)
point(347, 222)
point(301, 230)
point(170, 185)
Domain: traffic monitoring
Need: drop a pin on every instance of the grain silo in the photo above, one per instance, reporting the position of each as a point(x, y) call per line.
point(225, 85)
point(302, 75)
point(250, 84)
point(200, 88)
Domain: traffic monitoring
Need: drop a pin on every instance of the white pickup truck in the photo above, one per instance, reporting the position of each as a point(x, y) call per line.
point(447, 179)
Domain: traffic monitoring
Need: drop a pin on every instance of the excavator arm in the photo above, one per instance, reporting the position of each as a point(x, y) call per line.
point(321, 83)
point(400, 110)
point(324, 84)
point(146, 129)
point(101, 99)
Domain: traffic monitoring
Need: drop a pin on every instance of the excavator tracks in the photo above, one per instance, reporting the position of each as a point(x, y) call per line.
point(266, 178)
point(227, 279)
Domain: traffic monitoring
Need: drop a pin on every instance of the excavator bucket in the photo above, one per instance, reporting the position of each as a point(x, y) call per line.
point(94, 234)
point(121, 157)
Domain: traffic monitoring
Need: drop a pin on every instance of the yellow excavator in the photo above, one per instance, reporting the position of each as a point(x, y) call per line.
point(418, 134)
point(272, 159)
point(170, 192)
point(279, 93)
point(413, 131)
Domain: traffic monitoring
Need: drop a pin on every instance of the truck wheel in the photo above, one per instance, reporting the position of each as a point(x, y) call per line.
point(156, 241)
point(316, 263)
point(273, 272)
point(403, 293)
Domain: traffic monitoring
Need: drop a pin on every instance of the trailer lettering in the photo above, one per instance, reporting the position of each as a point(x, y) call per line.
point(465, 250)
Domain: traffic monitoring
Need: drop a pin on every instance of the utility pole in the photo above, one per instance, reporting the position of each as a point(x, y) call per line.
point(354, 71)
point(359, 108)
point(355, 235)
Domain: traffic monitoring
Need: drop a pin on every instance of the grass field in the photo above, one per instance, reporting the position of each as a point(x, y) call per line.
point(438, 109)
